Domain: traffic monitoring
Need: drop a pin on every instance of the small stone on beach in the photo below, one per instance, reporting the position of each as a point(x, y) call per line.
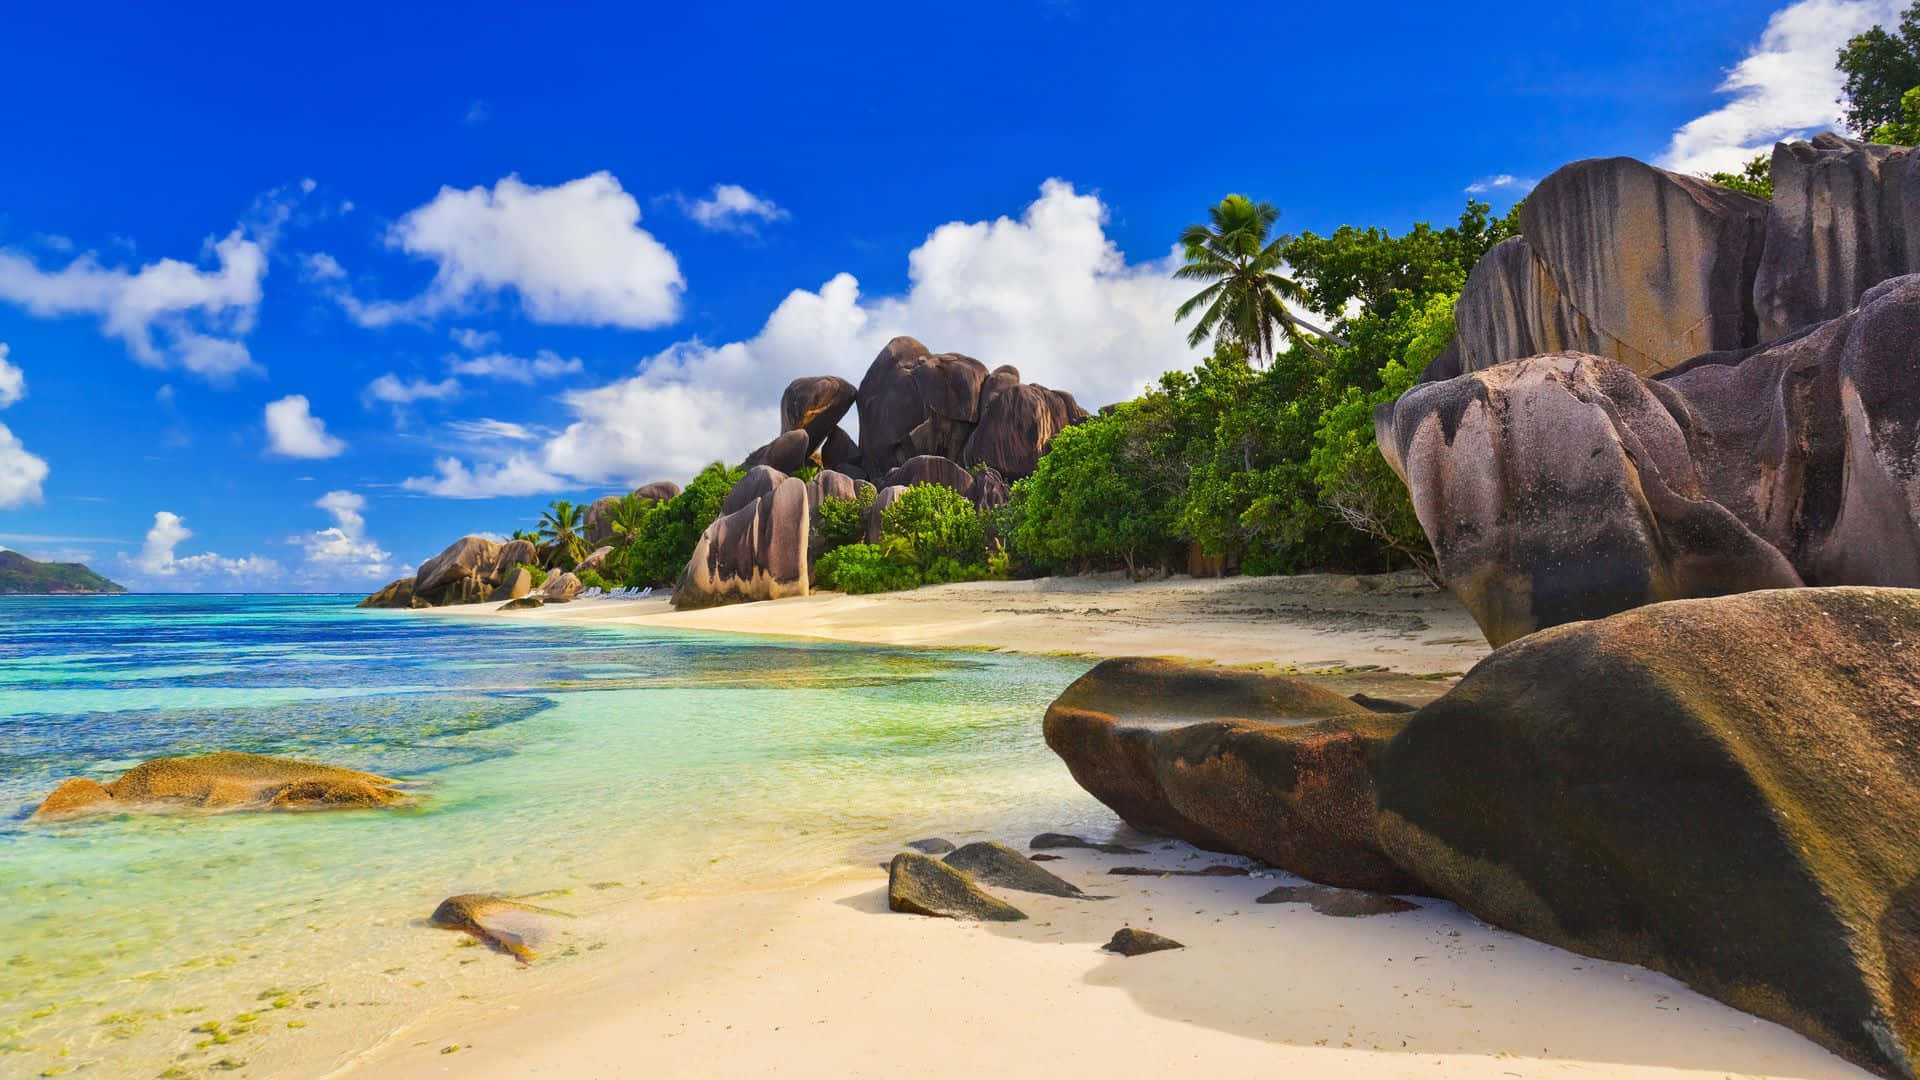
point(1062, 840)
point(1341, 903)
point(1131, 942)
point(998, 864)
point(1216, 870)
point(919, 885)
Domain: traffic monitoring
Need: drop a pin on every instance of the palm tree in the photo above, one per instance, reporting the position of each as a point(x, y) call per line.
point(560, 528)
point(528, 535)
point(629, 516)
point(1248, 295)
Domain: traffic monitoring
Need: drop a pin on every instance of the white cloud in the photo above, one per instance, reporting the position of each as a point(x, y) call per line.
point(573, 254)
point(344, 551)
point(293, 430)
point(487, 429)
point(1047, 292)
point(391, 389)
point(732, 208)
point(21, 473)
point(319, 266)
point(1786, 87)
point(521, 369)
point(477, 113)
point(1502, 182)
point(161, 568)
point(169, 313)
point(517, 475)
point(473, 340)
point(13, 382)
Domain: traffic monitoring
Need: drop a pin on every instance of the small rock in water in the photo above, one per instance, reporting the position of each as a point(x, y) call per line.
point(998, 864)
point(1043, 858)
point(1381, 705)
point(932, 845)
point(1217, 870)
point(519, 930)
point(522, 603)
point(1341, 903)
point(1062, 840)
point(1131, 942)
point(920, 885)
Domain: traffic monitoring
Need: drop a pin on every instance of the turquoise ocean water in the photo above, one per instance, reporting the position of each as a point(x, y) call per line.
point(606, 768)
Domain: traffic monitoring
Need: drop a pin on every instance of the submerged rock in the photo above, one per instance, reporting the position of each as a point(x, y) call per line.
point(998, 864)
point(1724, 790)
point(1216, 870)
point(1340, 903)
point(1233, 760)
point(920, 885)
point(523, 603)
point(519, 930)
point(1131, 942)
point(222, 781)
point(933, 845)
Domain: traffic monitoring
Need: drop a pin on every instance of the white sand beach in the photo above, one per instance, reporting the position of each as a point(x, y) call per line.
point(821, 980)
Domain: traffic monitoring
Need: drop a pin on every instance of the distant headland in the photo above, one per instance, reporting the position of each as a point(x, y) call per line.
point(21, 576)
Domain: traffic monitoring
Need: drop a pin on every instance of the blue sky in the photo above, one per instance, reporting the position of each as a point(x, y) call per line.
point(291, 300)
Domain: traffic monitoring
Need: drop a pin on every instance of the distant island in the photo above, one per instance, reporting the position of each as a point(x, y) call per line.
point(20, 575)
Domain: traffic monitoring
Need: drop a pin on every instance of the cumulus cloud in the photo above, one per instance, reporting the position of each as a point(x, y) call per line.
point(169, 313)
point(293, 430)
point(732, 208)
point(473, 340)
point(13, 382)
point(391, 389)
point(544, 364)
point(1048, 292)
point(343, 551)
point(572, 254)
point(1504, 182)
point(161, 568)
point(1785, 87)
point(21, 473)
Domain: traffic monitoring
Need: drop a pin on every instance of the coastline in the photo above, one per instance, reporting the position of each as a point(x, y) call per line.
point(819, 978)
point(1307, 622)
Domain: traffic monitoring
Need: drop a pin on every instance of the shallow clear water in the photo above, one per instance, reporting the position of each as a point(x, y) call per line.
point(608, 766)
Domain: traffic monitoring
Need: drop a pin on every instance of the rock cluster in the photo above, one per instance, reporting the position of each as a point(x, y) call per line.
point(470, 571)
point(1664, 389)
point(1721, 789)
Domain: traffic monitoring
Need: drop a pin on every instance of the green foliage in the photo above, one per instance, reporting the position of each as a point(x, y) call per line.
point(868, 568)
point(538, 574)
point(1904, 131)
point(1247, 296)
point(666, 538)
point(1881, 67)
point(1755, 178)
point(844, 521)
point(591, 579)
point(936, 522)
point(1098, 495)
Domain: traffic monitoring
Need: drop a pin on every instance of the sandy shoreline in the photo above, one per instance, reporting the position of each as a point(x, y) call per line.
point(820, 980)
point(1309, 622)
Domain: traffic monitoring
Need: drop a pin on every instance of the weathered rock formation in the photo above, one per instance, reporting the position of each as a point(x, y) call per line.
point(1017, 422)
point(520, 930)
point(786, 454)
point(756, 552)
point(469, 571)
point(928, 469)
point(1619, 259)
point(1000, 865)
point(598, 524)
point(1724, 790)
point(1232, 760)
point(816, 405)
point(1565, 487)
point(221, 781)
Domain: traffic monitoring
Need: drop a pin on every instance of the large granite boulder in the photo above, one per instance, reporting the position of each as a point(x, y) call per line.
point(840, 453)
point(394, 594)
point(598, 525)
point(913, 402)
point(560, 587)
point(1724, 790)
point(759, 480)
point(876, 514)
point(1845, 216)
point(1618, 259)
point(514, 584)
point(221, 781)
point(919, 885)
point(1017, 423)
point(989, 490)
point(756, 552)
point(816, 404)
point(1233, 760)
point(1563, 487)
point(658, 491)
point(929, 469)
point(785, 454)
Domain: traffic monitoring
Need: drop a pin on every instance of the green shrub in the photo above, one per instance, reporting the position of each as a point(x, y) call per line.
point(844, 521)
point(539, 575)
point(591, 579)
point(665, 541)
point(936, 522)
point(868, 568)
